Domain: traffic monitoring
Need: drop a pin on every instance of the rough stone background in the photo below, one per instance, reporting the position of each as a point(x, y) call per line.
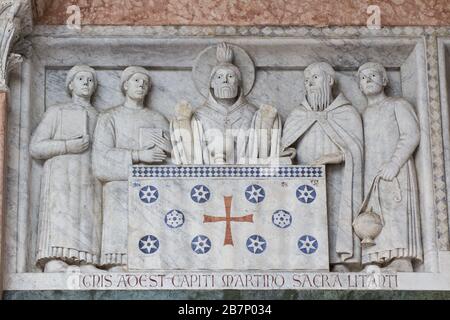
point(317, 13)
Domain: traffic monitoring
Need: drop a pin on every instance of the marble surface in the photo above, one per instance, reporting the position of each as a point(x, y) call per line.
point(404, 57)
point(266, 12)
point(3, 129)
point(228, 295)
point(174, 67)
point(177, 218)
point(444, 90)
point(216, 281)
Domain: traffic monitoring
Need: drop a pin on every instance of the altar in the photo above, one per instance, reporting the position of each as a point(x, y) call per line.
point(227, 218)
point(224, 157)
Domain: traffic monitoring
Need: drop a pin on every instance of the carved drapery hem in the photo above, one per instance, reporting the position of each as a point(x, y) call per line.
point(383, 257)
point(68, 255)
point(114, 259)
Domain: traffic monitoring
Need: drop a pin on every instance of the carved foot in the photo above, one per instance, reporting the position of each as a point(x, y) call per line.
point(372, 268)
point(55, 266)
point(73, 269)
point(89, 268)
point(340, 268)
point(118, 269)
point(399, 265)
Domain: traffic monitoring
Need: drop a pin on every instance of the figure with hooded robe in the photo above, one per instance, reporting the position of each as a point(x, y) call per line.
point(325, 130)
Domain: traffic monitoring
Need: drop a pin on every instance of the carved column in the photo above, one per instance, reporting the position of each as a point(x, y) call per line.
point(15, 21)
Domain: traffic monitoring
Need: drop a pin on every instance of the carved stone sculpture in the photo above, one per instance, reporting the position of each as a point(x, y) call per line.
point(15, 21)
point(328, 131)
point(125, 135)
point(70, 212)
point(226, 129)
point(392, 134)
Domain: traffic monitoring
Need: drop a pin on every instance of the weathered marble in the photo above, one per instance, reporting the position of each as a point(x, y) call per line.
point(169, 55)
point(125, 135)
point(69, 231)
point(3, 127)
point(216, 281)
point(294, 295)
point(266, 12)
point(226, 128)
point(228, 218)
point(327, 130)
point(441, 99)
point(288, 58)
point(15, 20)
point(390, 175)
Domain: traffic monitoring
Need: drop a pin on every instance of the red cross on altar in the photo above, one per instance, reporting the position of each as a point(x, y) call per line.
point(228, 219)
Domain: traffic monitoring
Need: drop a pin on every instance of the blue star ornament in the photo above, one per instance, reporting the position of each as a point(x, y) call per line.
point(308, 244)
point(255, 193)
point(306, 194)
point(201, 244)
point(148, 194)
point(200, 194)
point(174, 219)
point(282, 219)
point(149, 244)
point(256, 244)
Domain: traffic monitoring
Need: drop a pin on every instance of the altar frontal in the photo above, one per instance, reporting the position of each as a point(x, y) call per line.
point(227, 218)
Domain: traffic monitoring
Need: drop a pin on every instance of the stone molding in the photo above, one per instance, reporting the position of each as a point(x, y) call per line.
point(252, 31)
point(15, 22)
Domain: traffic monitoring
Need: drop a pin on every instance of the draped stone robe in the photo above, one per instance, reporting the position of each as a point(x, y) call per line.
point(118, 133)
point(70, 210)
point(228, 135)
point(316, 133)
point(392, 133)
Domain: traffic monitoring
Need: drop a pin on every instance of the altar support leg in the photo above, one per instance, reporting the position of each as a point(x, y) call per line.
point(3, 127)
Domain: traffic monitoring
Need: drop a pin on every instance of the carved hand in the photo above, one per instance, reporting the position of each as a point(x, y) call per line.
point(183, 111)
point(332, 158)
point(79, 145)
point(162, 142)
point(151, 156)
point(289, 152)
point(389, 171)
point(268, 113)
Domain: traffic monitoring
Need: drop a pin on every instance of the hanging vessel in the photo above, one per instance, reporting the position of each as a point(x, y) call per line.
point(368, 226)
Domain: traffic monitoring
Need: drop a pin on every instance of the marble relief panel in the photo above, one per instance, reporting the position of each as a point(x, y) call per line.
point(280, 66)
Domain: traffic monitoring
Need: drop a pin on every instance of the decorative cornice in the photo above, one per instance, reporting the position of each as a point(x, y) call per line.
point(227, 171)
point(437, 147)
point(15, 22)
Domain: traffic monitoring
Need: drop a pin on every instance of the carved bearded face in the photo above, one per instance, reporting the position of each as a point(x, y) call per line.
point(137, 86)
point(318, 86)
point(83, 84)
point(372, 81)
point(225, 84)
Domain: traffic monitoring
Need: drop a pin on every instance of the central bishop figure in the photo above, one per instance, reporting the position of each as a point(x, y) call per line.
point(226, 129)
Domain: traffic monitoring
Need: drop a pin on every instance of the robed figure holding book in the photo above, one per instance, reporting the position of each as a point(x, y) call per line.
point(70, 212)
point(126, 135)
